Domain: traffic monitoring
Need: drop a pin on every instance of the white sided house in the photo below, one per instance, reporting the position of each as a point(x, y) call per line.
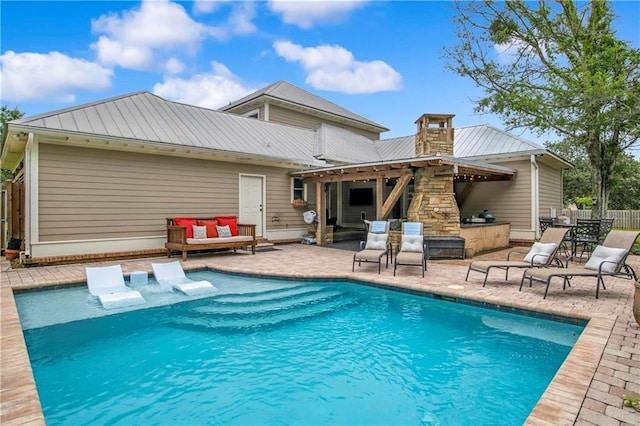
point(99, 179)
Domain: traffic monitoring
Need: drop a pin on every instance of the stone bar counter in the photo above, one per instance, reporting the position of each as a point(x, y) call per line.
point(481, 237)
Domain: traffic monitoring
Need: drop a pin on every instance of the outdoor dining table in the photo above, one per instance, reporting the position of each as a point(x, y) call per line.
point(581, 232)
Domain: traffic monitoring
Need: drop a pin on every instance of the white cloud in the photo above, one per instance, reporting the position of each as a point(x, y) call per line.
point(207, 6)
point(174, 66)
point(306, 13)
point(141, 38)
point(510, 52)
point(240, 20)
point(50, 77)
point(241, 17)
point(208, 90)
point(334, 68)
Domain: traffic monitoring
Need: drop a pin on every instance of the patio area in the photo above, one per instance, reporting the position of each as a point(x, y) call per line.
point(602, 367)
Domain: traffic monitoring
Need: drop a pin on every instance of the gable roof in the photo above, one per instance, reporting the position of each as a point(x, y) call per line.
point(147, 118)
point(143, 119)
point(289, 94)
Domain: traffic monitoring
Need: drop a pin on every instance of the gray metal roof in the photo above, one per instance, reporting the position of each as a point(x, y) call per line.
point(289, 93)
point(469, 142)
point(142, 117)
point(397, 148)
point(145, 117)
point(486, 140)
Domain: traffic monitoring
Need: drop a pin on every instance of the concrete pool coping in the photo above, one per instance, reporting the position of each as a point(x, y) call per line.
point(588, 389)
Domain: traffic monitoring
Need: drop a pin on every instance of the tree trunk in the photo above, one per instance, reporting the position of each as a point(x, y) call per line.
point(601, 191)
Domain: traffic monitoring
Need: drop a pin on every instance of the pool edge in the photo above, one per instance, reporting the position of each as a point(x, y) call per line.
point(560, 403)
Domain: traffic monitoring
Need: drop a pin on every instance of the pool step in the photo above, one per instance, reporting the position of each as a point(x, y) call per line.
point(265, 306)
point(276, 308)
point(267, 295)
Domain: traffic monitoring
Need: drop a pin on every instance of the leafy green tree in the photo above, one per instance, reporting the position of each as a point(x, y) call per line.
point(561, 70)
point(625, 185)
point(576, 181)
point(7, 115)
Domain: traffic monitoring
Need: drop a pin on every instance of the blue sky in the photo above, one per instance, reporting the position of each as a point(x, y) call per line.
point(379, 59)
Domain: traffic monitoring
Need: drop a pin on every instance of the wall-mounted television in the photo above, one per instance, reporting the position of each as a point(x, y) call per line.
point(361, 196)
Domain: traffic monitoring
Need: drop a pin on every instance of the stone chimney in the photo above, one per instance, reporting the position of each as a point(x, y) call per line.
point(435, 135)
point(434, 203)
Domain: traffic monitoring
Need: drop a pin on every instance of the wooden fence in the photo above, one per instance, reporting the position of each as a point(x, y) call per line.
point(624, 219)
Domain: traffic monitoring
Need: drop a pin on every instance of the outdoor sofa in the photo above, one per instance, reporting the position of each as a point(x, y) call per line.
point(184, 234)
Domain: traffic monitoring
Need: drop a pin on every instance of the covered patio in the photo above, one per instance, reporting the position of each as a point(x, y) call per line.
point(434, 202)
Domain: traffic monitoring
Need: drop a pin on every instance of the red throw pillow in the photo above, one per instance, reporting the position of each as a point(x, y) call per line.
point(232, 221)
point(212, 231)
point(185, 221)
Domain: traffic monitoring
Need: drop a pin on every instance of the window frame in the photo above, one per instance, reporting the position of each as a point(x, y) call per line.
point(254, 113)
point(298, 189)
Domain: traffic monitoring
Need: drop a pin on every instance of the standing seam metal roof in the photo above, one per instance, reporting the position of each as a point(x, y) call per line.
point(142, 116)
point(288, 92)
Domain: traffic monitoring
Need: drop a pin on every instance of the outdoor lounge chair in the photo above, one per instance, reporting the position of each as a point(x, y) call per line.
point(376, 246)
point(171, 273)
point(106, 283)
point(609, 259)
point(542, 254)
point(411, 250)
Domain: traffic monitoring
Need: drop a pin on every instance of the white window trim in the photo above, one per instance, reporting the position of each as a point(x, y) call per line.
point(251, 113)
point(304, 189)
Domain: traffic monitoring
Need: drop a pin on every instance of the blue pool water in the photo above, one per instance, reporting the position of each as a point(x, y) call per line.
point(283, 352)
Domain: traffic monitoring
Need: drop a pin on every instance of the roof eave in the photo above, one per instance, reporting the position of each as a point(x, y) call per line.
point(163, 148)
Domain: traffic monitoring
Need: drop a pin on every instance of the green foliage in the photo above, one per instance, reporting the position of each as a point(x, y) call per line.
point(7, 115)
point(564, 71)
point(632, 401)
point(584, 203)
point(578, 181)
point(625, 184)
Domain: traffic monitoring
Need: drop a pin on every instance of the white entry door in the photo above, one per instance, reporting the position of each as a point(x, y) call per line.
point(252, 201)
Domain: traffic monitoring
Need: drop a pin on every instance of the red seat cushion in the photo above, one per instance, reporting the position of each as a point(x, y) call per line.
point(212, 231)
point(186, 221)
point(232, 221)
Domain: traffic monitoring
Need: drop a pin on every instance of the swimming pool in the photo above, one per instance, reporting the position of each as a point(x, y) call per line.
point(271, 351)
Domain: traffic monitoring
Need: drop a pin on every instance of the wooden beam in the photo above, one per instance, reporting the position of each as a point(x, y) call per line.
point(321, 211)
point(369, 175)
point(395, 194)
point(462, 196)
point(379, 197)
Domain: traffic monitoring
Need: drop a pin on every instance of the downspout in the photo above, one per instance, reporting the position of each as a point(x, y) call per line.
point(30, 194)
point(535, 195)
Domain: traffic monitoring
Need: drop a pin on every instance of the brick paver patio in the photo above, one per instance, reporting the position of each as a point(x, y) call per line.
point(588, 390)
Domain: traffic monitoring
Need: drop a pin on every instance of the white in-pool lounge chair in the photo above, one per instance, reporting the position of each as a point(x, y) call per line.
point(171, 273)
point(106, 283)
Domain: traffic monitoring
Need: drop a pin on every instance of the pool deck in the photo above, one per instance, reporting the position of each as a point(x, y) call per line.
point(588, 389)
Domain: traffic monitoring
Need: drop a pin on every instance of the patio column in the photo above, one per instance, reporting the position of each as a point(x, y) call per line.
point(322, 213)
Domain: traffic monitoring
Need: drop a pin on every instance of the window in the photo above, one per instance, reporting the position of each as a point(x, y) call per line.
point(298, 189)
point(252, 114)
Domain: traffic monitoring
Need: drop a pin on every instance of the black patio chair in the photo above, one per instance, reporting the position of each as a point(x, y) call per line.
point(545, 222)
point(605, 226)
point(586, 235)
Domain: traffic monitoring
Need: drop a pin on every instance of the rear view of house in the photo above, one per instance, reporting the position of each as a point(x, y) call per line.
point(100, 179)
